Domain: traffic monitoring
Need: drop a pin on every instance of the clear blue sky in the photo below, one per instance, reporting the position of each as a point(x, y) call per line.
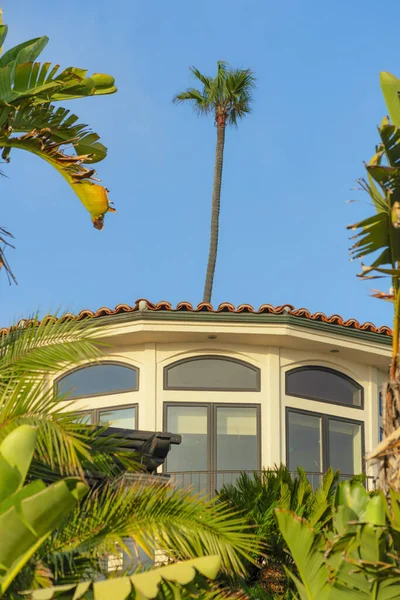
point(288, 171)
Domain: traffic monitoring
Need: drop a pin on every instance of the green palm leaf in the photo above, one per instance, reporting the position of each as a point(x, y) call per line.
point(38, 348)
point(154, 517)
point(230, 91)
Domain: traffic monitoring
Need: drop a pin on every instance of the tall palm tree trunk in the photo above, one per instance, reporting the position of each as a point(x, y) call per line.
point(390, 473)
point(216, 199)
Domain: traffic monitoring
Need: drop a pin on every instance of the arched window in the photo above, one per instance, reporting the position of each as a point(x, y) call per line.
point(213, 373)
point(99, 380)
point(325, 385)
point(103, 379)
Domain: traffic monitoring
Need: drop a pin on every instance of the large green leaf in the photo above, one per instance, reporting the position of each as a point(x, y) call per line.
point(379, 234)
point(27, 514)
point(143, 586)
point(24, 53)
point(16, 453)
point(390, 86)
point(305, 548)
point(38, 83)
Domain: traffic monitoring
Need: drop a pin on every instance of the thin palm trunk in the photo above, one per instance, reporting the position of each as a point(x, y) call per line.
point(215, 208)
point(390, 474)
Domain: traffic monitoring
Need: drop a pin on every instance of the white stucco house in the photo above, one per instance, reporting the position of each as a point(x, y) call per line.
point(246, 389)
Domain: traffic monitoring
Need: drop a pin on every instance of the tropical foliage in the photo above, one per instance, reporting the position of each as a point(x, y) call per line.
point(29, 513)
point(258, 497)
point(227, 97)
point(30, 121)
point(358, 557)
point(150, 515)
point(378, 238)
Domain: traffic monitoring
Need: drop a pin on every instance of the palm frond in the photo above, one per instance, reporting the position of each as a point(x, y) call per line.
point(61, 442)
point(205, 80)
point(155, 517)
point(45, 347)
point(4, 239)
point(200, 101)
point(241, 81)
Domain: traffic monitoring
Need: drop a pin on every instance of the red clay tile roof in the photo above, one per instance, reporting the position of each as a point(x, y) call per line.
point(226, 307)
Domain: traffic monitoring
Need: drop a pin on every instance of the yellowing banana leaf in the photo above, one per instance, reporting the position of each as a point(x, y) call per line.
point(142, 586)
point(93, 196)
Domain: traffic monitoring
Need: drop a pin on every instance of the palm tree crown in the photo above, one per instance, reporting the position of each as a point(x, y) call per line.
point(228, 95)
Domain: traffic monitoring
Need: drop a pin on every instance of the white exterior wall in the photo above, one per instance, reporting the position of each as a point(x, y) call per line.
point(273, 361)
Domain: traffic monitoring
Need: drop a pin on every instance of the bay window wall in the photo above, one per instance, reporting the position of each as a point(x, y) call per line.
point(317, 436)
point(211, 404)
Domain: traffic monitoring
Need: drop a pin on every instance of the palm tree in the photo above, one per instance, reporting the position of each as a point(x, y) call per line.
point(29, 121)
point(228, 98)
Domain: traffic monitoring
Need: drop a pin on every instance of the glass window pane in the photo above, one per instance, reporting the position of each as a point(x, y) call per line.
point(192, 423)
point(98, 380)
point(345, 447)
point(236, 441)
point(212, 373)
point(321, 384)
point(124, 418)
point(304, 442)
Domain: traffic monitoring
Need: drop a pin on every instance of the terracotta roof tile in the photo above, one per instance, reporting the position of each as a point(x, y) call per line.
point(225, 307)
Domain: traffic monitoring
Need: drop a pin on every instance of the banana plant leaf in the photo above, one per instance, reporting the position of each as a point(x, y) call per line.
point(27, 89)
point(28, 514)
point(190, 575)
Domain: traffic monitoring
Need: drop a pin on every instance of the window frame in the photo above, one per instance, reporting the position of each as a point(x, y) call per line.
point(94, 413)
point(325, 417)
point(212, 429)
point(220, 357)
point(326, 370)
point(97, 394)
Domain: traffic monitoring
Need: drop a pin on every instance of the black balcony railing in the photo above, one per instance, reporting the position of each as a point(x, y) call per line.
point(207, 483)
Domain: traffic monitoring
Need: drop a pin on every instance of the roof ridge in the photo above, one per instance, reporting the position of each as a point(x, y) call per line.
point(143, 304)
